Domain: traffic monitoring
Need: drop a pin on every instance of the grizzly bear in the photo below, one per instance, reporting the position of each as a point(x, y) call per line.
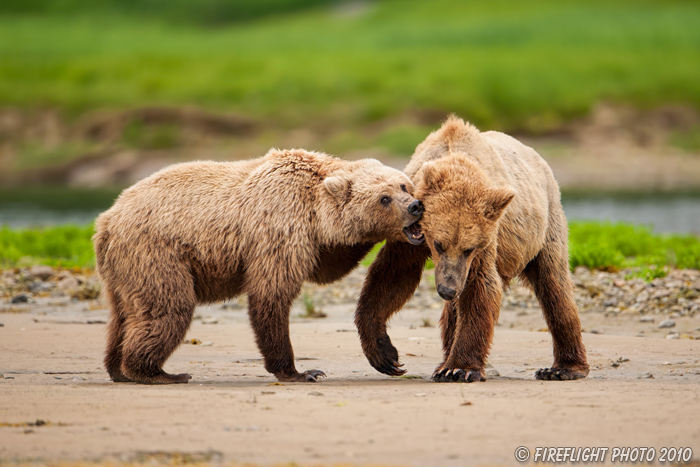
point(208, 231)
point(492, 213)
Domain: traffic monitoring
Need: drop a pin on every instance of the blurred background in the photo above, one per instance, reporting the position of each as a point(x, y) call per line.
point(97, 95)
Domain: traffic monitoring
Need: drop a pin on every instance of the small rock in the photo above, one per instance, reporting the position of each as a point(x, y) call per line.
point(646, 319)
point(610, 302)
point(2, 324)
point(207, 344)
point(673, 335)
point(210, 320)
point(619, 283)
point(492, 373)
point(661, 293)
point(695, 285)
point(667, 323)
point(20, 298)
point(40, 286)
point(41, 272)
point(8, 281)
point(316, 393)
point(68, 284)
point(78, 378)
point(646, 376)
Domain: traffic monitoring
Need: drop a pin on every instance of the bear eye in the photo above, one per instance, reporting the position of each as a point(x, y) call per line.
point(438, 247)
point(468, 251)
point(403, 188)
point(385, 200)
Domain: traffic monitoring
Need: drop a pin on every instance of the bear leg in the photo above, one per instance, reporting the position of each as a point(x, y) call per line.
point(151, 335)
point(115, 336)
point(391, 281)
point(448, 324)
point(476, 310)
point(551, 281)
point(269, 317)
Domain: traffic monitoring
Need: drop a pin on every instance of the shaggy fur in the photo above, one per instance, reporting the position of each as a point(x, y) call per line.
point(492, 213)
point(208, 231)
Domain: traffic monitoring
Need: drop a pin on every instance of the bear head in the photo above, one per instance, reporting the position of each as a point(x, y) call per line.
point(461, 217)
point(374, 202)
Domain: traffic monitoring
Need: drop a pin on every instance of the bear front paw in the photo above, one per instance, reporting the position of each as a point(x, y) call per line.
point(458, 375)
point(385, 357)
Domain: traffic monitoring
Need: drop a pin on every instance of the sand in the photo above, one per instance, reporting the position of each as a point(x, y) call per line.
point(233, 412)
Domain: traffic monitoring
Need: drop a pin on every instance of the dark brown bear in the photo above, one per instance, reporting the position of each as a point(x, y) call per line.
point(208, 231)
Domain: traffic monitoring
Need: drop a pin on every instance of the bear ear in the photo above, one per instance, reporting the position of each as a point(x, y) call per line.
point(432, 177)
point(338, 186)
point(496, 201)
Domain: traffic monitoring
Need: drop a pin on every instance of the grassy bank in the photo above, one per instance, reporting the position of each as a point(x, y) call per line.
point(506, 64)
point(596, 245)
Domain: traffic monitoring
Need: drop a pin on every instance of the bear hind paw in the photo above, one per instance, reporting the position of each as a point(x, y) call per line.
point(560, 374)
point(458, 375)
point(309, 376)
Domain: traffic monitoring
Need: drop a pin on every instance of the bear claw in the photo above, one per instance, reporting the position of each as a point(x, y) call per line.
point(558, 374)
point(386, 358)
point(309, 376)
point(457, 376)
point(313, 375)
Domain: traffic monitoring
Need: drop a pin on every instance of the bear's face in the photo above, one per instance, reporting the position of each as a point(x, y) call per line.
point(460, 220)
point(376, 202)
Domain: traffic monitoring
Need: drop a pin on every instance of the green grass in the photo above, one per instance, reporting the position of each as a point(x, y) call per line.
point(615, 246)
point(503, 64)
point(596, 245)
point(64, 246)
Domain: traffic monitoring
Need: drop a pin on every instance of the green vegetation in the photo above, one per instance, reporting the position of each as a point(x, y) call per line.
point(596, 245)
point(616, 246)
point(65, 246)
point(503, 64)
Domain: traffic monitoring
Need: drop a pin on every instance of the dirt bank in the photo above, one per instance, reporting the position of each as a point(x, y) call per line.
point(615, 148)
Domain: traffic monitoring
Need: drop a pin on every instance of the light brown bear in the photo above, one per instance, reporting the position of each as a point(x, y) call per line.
point(208, 231)
point(492, 212)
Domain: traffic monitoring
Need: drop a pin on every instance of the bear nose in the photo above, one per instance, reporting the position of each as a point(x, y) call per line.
point(446, 293)
point(415, 208)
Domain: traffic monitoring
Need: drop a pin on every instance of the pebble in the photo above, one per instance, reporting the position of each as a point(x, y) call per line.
point(673, 335)
point(316, 393)
point(40, 286)
point(20, 298)
point(41, 272)
point(646, 376)
point(68, 284)
point(667, 323)
point(646, 319)
point(492, 373)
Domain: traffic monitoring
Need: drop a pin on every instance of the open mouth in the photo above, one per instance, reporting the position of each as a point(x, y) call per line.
point(414, 234)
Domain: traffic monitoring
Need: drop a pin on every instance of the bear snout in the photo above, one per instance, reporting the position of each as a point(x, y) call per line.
point(415, 208)
point(446, 293)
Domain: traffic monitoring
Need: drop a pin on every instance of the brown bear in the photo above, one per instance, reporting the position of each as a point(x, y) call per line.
point(492, 212)
point(208, 231)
